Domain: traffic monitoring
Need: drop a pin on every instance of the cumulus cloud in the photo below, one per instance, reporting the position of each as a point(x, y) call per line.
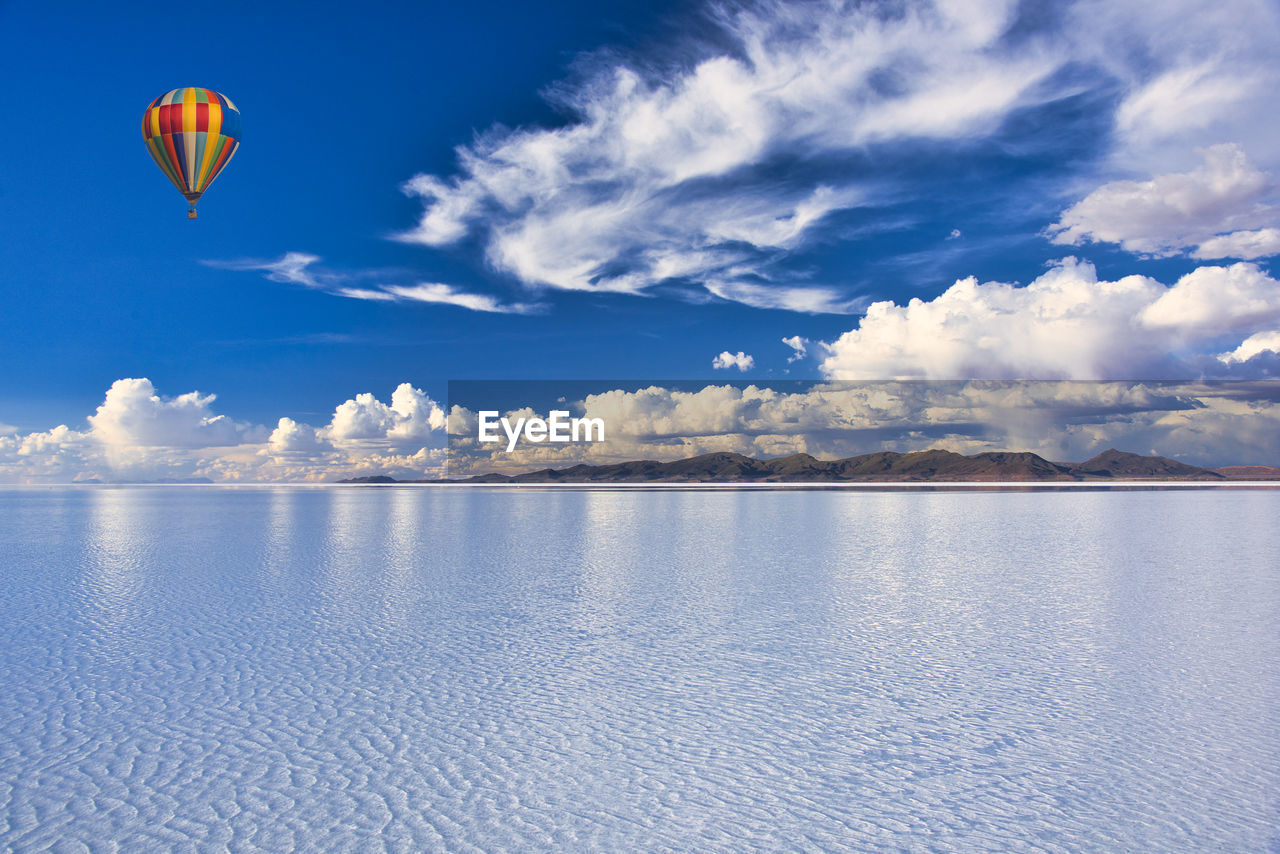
point(739, 360)
point(301, 268)
point(1212, 207)
point(1254, 346)
point(1067, 324)
point(1211, 302)
point(134, 416)
point(290, 437)
point(138, 434)
point(1262, 243)
point(410, 418)
point(799, 347)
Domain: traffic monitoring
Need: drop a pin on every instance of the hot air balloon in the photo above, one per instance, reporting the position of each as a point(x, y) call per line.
point(191, 134)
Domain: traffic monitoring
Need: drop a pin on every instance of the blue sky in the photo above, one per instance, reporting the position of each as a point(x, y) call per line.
point(427, 192)
point(103, 278)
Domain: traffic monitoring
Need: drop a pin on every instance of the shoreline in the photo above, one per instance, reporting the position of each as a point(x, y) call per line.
point(727, 486)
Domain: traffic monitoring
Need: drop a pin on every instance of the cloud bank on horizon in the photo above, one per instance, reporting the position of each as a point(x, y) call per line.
point(1201, 423)
point(138, 435)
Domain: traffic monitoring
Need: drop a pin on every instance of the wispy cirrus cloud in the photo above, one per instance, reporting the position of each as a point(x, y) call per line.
point(799, 298)
point(301, 268)
point(719, 170)
point(731, 161)
point(1191, 75)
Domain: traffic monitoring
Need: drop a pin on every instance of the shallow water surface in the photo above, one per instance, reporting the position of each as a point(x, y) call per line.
point(413, 669)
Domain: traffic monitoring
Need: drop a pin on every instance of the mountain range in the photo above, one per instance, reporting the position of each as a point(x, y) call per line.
point(879, 467)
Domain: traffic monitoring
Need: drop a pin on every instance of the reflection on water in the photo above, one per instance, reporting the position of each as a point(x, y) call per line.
point(605, 532)
point(347, 550)
point(119, 553)
point(402, 548)
point(430, 669)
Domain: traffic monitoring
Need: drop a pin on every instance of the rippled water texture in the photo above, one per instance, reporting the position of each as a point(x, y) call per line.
point(407, 669)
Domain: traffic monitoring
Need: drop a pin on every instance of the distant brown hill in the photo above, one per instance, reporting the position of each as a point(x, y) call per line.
point(880, 467)
point(1249, 472)
point(1123, 465)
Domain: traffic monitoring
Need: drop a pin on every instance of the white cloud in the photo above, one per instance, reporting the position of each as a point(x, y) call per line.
point(1210, 206)
point(291, 268)
point(449, 295)
point(808, 300)
point(1067, 324)
point(137, 434)
point(1255, 345)
point(739, 360)
point(362, 417)
point(653, 178)
point(59, 454)
point(1262, 243)
point(300, 268)
point(365, 294)
point(409, 421)
point(133, 416)
point(290, 437)
point(1191, 74)
point(1210, 302)
point(1181, 99)
point(799, 347)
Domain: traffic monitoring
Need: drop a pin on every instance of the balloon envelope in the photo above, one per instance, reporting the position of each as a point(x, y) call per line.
point(191, 134)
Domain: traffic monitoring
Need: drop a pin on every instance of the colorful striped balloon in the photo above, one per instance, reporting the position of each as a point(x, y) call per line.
point(191, 134)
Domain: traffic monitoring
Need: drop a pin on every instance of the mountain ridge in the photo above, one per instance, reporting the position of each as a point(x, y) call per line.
point(929, 466)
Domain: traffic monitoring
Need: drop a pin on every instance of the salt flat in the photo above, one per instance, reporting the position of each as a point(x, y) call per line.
point(486, 669)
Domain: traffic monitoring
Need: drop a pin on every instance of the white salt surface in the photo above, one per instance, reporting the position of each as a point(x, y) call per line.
point(487, 670)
